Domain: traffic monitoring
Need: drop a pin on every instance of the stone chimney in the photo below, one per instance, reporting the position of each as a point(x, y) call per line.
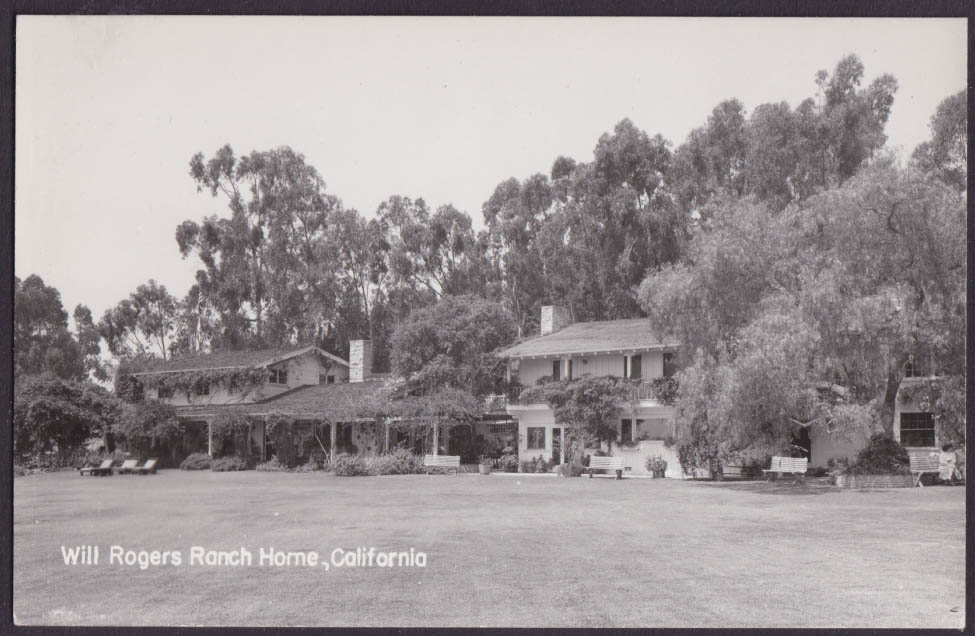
point(554, 318)
point(360, 360)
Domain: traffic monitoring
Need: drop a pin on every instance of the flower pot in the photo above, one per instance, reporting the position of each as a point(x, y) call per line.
point(484, 468)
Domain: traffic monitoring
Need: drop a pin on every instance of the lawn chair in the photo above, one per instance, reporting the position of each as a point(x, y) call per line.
point(104, 469)
point(147, 468)
point(128, 466)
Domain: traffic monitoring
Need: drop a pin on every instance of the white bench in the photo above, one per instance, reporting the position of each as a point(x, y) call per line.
point(793, 465)
point(921, 464)
point(597, 462)
point(442, 461)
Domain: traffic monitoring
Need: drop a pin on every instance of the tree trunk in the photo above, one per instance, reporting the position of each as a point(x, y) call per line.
point(333, 439)
point(386, 427)
point(436, 438)
point(885, 410)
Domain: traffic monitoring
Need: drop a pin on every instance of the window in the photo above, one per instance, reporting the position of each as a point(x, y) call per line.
point(570, 369)
point(917, 429)
point(670, 364)
point(501, 428)
point(636, 366)
point(536, 437)
point(626, 431)
point(165, 392)
point(234, 387)
point(278, 376)
point(326, 379)
point(556, 369)
point(202, 389)
point(626, 367)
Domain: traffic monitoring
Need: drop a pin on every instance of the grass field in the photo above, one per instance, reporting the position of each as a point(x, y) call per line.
point(501, 551)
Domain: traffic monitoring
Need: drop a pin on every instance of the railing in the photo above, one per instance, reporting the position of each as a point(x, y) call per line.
point(647, 391)
point(496, 403)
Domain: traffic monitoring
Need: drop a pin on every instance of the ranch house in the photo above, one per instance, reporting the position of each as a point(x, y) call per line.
point(621, 348)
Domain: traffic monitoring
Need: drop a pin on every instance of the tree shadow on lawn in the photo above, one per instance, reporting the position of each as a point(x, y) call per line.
point(812, 486)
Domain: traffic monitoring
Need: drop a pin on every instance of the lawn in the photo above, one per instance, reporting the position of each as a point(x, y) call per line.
point(501, 551)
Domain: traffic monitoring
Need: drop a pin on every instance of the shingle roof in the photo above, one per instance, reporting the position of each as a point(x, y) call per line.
point(346, 400)
point(231, 359)
point(602, 336)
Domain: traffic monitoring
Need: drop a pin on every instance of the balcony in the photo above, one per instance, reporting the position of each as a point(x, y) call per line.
point(662, 390)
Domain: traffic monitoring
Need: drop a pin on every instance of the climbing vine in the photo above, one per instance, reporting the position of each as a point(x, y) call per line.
point(195, 381)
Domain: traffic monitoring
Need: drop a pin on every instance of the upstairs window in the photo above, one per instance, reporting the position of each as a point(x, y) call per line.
point(556, 369)
point(165, 393)
point(670, 364)
point(636, 366)
point(917, 429)
point(278, 376)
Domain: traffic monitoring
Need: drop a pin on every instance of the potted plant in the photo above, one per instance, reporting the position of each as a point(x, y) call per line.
point(657, 465)
point(484, 464)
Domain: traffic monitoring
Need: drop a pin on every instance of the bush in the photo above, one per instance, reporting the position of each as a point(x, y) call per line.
point(881, 455)
point(316, 462)
point(536, 465)
point(228, 464)
point(196, 461)
point(570, 469)
point(273, 466)
point(657, 465)
point(508, 461)
point(345, 465)
point(399, 461)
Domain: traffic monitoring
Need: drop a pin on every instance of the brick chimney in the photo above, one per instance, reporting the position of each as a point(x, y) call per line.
point(554, 318)
point(360, 360)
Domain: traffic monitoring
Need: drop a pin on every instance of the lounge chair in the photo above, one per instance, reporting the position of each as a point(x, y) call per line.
point(98, 471)
point(148, 467)
point(128, 466)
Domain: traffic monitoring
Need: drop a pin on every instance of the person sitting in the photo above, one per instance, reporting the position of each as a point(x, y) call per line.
point(946, 464)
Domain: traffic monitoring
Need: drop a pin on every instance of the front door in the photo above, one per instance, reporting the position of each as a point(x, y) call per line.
point(556, 445)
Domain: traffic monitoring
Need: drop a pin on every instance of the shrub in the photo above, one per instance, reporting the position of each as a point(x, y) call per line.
point(345, 465)
point(570, 469)
point(399, 461)
point(536, 465)
point(196, 461)
point(881, 455)
point(316, 462)
point(657, 465)
point(228, 464)
point(273, 466)
point(508, 461)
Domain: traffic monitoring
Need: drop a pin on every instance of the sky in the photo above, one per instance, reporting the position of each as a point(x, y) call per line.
point(110, 109)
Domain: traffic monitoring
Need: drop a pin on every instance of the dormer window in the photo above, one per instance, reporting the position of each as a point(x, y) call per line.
point(278, 376)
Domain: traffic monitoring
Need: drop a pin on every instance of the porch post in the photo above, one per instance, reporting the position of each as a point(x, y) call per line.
point(386, 426)
point(436, 437)
point(264, 440)
point(209, 438)
point(333, 439)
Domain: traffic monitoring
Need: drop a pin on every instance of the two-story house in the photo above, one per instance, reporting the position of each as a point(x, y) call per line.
point(305, 384)
point(622, 348)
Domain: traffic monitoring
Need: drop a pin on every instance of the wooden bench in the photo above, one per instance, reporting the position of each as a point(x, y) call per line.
point(597, 462)
point(793, 465)
point(442, 461)
point(921, 464)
